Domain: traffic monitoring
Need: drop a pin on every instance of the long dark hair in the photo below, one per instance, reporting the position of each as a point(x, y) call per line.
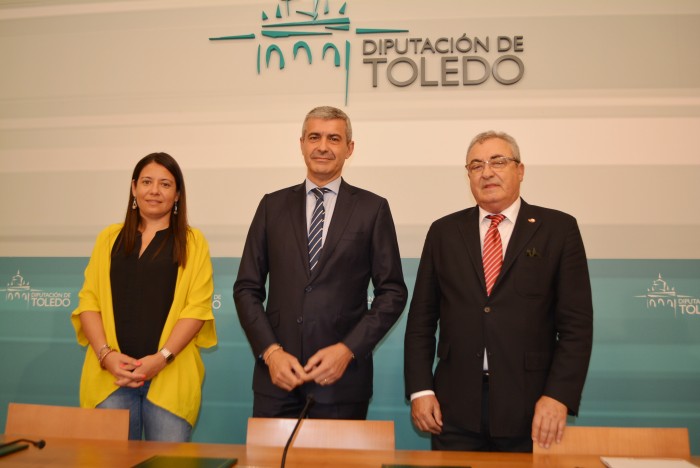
point(178, 222)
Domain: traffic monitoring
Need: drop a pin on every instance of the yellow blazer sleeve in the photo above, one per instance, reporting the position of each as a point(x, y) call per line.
point(96, 293)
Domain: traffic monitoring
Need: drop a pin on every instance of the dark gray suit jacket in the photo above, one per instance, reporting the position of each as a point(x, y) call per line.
point(537, 325)
point(306, 312)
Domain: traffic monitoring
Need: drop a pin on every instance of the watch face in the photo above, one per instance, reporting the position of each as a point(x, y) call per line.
point(167, 355)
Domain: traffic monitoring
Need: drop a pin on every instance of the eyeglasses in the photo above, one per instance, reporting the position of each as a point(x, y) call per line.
point(497, 163)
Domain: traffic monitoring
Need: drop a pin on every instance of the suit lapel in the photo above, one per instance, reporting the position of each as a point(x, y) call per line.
point(525, 227)
point(296, 209)
point(344, 206)
point(469, 230)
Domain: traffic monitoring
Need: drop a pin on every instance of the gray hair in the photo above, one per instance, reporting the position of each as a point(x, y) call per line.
point(328, 113)
point(490, 134)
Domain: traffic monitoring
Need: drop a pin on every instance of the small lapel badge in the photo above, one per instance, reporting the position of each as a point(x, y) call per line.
point(532, 252)
point(531, 220)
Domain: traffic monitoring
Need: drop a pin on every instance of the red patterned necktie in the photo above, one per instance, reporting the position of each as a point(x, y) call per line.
point(493, 252)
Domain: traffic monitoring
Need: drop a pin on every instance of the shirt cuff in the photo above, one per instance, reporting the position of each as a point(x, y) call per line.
point(421, 394)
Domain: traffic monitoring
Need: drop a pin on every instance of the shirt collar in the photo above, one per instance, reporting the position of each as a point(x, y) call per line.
point(511, 213)
point(333, 186)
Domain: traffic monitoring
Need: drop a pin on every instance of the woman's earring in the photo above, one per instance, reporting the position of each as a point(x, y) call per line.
point(175, 209)
point(134, 205)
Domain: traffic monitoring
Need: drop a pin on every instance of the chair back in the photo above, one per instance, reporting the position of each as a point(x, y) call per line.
point(621, 442)
point(322, 433)
point(67, 422)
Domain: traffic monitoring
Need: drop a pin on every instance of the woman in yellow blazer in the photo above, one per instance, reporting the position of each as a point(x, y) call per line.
point(145, 309)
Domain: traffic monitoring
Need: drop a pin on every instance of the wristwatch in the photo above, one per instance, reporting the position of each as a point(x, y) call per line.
point(169, 357)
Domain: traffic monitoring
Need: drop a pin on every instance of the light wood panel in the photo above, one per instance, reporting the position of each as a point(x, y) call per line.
point(67, 422)
point(622, 442)
point(322, 433)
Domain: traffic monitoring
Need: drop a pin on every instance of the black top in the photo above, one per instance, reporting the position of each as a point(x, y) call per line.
point(142, 293)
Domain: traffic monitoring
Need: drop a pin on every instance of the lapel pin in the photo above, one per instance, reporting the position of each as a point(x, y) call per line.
point(531, 220)
point(532, 252)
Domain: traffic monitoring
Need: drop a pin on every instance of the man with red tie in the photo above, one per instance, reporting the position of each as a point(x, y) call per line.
point(508, 285)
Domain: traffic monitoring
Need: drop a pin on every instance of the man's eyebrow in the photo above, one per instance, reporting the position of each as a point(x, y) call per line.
point(330, 134)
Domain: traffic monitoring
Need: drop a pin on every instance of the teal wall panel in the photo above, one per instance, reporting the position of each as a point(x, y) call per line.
point(644, 368)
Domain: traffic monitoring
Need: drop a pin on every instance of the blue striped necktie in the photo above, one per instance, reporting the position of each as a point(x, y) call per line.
point(316, 227)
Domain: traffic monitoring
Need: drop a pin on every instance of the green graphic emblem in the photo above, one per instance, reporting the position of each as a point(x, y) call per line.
point(312, 22)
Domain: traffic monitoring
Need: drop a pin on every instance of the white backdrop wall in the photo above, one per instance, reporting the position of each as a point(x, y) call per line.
point(606, 115)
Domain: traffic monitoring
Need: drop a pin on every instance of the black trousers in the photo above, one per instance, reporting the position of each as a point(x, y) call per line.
point(290, 407)
point(454, 438)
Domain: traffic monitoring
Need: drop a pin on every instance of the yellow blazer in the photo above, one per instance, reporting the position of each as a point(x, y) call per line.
point(178, 387)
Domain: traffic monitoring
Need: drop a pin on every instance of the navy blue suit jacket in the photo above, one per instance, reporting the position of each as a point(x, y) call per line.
point(308, 311)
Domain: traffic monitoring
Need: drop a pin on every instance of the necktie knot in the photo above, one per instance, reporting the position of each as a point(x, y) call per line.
point(319, 191)
point(496, 219)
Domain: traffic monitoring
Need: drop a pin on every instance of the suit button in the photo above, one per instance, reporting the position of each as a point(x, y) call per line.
point(300, 320)
point(487, 309)
point(308, 288)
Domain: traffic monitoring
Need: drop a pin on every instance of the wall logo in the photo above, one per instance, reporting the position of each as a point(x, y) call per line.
point(216, 301)
point(20, 291)
point(402, 60)
point(661, 295)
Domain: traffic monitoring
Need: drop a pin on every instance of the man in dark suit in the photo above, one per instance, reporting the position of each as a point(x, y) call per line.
point(319, 244)
point(515, 326)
